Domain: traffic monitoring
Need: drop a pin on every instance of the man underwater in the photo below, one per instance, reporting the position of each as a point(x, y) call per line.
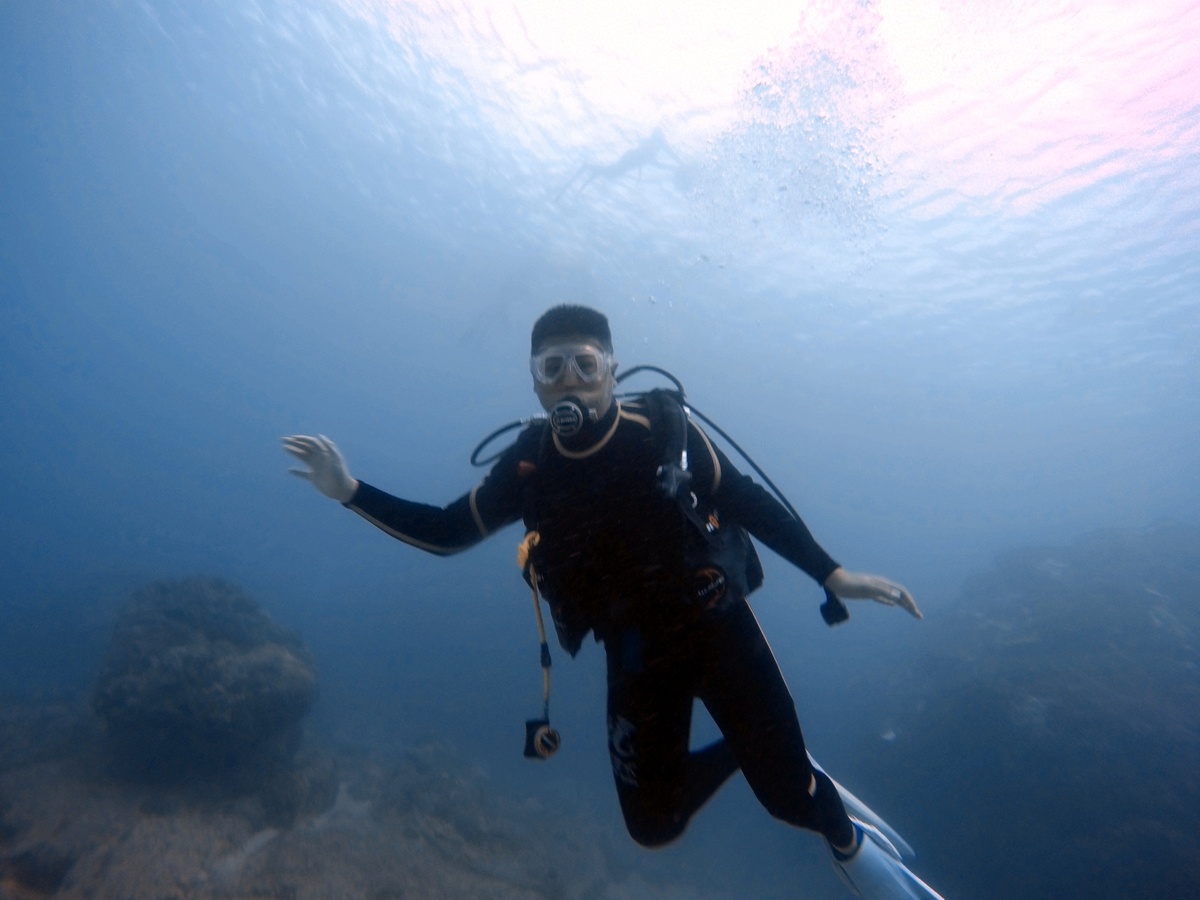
point(659, 573)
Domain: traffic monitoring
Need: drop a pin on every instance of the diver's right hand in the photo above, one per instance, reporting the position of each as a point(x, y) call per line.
point(326, 466)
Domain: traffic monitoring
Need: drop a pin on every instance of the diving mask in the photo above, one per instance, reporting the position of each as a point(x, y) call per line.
point(589, 363)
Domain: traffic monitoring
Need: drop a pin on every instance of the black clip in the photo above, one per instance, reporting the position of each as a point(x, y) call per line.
point(673, 480)
point(833, 610)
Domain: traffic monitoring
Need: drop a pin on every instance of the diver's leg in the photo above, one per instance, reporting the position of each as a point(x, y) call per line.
point(746, 694)
point(660, 784)
point(747, 697)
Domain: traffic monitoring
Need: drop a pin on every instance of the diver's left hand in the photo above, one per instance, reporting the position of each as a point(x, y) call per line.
point(860, 586)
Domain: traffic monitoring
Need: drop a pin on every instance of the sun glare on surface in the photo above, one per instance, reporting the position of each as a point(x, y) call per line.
point(1016, 102)
point(579, 74)
point(1025, 103)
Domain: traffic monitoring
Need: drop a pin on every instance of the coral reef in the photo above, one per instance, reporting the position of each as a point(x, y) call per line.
point(199, 681)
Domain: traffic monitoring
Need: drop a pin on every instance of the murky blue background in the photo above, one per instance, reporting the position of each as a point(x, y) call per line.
point(226, 222)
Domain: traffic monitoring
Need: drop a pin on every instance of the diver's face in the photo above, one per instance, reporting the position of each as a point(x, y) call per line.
point(574, 367)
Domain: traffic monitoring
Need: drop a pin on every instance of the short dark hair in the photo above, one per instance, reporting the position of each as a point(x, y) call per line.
point(571, 320)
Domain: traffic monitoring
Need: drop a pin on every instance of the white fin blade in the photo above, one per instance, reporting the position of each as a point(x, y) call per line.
point(862, 812)
point(919, 889)
point(875, 871)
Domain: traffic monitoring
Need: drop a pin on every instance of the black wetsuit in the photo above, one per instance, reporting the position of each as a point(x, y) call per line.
point(617, 553)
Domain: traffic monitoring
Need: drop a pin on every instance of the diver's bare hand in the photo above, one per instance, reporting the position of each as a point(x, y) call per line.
point(860, 586)
point(326, 470)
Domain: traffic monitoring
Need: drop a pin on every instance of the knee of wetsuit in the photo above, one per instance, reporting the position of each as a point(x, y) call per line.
point(654, 831)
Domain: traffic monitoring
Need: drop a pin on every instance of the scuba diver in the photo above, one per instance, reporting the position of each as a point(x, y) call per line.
point(637, 531)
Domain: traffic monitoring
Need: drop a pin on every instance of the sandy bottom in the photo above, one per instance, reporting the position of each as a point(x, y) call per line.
point(357, 824)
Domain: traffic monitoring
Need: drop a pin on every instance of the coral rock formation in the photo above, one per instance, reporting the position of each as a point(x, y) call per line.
point(199, 680)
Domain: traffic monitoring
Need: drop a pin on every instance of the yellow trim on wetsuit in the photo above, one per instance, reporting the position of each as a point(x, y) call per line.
point(401, 536)
point(600, 444)
point(423, 545)
point(483, 532)
point(716, 482)
point(634, 417)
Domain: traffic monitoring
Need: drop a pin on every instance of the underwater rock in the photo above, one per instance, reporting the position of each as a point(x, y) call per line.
point(198, 680)
point(40, 869)
point(1046, 740)
point(308, 787)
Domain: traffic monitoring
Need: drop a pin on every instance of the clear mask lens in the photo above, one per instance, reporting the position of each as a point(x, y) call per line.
point(590, 364)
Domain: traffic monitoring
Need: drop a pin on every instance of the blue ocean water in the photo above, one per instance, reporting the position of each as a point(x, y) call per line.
point(950, 306)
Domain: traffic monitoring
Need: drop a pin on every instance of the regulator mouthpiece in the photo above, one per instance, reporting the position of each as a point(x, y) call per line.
point(569, 415)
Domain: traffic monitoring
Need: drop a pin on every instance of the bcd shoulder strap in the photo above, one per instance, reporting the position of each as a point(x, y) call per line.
point(730, 549)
